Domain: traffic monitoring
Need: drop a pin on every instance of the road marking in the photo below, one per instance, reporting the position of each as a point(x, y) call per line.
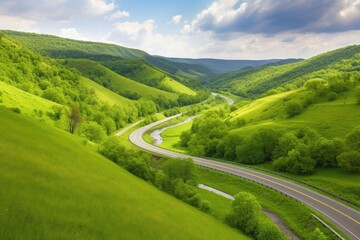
point(280, 184)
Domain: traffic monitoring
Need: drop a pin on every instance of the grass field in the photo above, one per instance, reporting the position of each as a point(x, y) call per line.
point(330, 119)
point(28, 104)
point(294, 214)
point(178, 87)
point(105, 94)
point(54, 187)
point(171, 137)
point(116, 81)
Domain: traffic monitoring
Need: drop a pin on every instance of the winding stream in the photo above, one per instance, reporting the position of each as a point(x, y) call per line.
point(157, 133)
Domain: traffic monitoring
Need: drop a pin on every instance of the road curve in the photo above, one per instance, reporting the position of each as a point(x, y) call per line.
point(227, 99)
point(344, 217)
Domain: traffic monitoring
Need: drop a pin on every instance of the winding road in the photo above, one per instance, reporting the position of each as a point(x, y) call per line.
point(342, 216)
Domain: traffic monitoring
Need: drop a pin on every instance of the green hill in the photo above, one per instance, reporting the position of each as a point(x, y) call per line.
point(54, 187)
point(140, 71)
point(330, 119)
point(115, 82)
point(57, 47)
point(252, 82)
point(222, 65)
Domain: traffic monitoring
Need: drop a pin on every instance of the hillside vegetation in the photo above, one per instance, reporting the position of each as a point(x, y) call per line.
point(115, 82)
point(252, 82)
point(139, 70)
point(222, 65)
point(57, 47)
point(45, 88)
point(60, 189)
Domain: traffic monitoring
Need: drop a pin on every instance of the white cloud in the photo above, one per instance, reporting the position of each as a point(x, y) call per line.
point(71, 33)
point(98, 7)
point(118, 14)
point(276, 16)
point(175, 19)
point(135, 30)
point(18, 23)
point(55, 10)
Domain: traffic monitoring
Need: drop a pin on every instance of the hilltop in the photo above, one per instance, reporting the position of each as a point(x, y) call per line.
point(253, 82)
point(57, 47)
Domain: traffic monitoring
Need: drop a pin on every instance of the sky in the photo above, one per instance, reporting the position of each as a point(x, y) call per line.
point(225, 29)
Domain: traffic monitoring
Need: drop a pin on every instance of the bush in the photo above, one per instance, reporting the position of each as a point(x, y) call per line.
point(112, 149)
point(293, 108)
point(16, 110)
point(349, 161)
point(317, 234)
point(93, 131)
point(267, 230)
point(357, 94)
point(353, 139)
point(139, 168)
point(183, 169)
point(245, 214)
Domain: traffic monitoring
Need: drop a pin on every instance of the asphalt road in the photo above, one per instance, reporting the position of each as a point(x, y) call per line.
point(344, 217)
point(227, 99)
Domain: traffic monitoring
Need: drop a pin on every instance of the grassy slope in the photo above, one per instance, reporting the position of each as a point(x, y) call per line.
point(105, 94)
point(67, 48)
point(295, 215)
point(140, 71)
point(60, 189)
point(57, 47)
point(118, 82)
point(13, 97)
point(256, 81)
point(330, 119)
point(178, 87)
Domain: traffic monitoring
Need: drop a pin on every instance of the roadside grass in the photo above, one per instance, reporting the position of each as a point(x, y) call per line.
point(220, 206)
point(294, 214)
point(171, 137)
point(333, 180)
point(178, 87)
point(55, 187)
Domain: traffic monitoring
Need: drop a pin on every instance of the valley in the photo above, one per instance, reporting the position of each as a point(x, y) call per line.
point(100, 141)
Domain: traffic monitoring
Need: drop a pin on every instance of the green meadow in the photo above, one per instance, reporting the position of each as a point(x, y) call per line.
point(55, 187)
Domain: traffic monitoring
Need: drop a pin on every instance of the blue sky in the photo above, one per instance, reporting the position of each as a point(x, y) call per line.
point(229, 29)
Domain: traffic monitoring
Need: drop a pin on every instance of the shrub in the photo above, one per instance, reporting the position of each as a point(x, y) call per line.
point(357, 94)
point(139, 168)
point(245, 214)
point(293, 108)
point(349, 161)
point(16, 110)
point(353, 139)
point(183, 169)
point(93, 131)
point(317, 234)
point(267, 230)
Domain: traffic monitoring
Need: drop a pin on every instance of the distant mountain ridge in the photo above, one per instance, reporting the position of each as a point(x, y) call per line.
point(223, 65)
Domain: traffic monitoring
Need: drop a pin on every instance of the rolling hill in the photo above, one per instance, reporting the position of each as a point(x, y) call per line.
point(221, 65)
point(60, 189)
point(115, 82)
point(330, 119)
point(57, 47)
point(252, 82)
point(140, 71)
